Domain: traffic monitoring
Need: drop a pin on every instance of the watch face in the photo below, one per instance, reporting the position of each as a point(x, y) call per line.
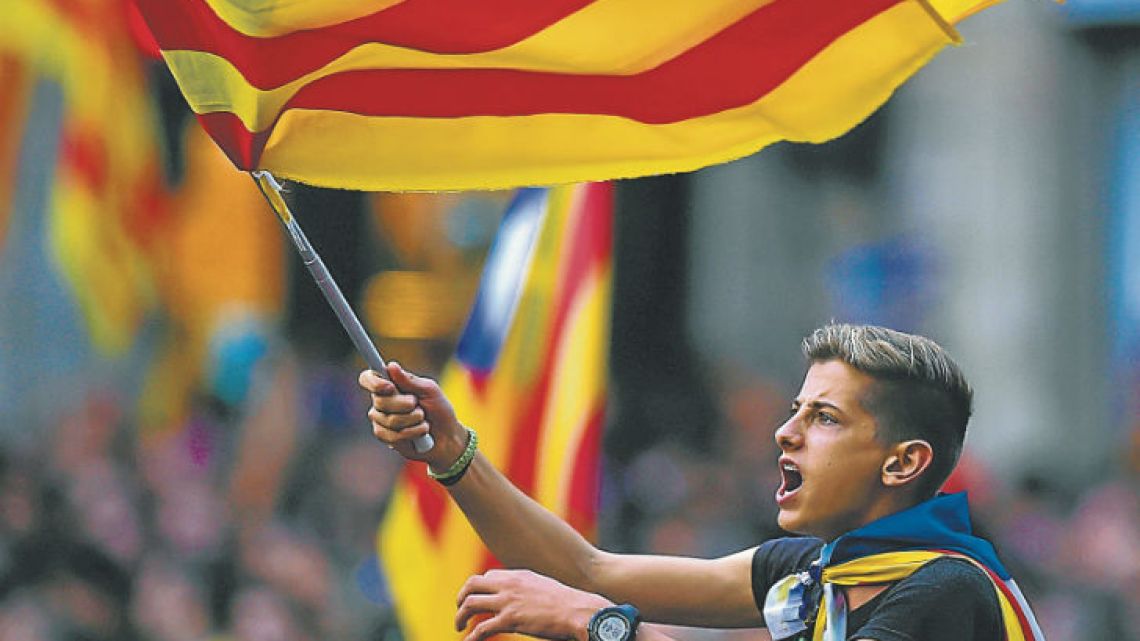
point(613, 627)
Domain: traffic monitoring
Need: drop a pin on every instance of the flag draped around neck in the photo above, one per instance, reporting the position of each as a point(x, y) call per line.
point(398, 95)
point(529, 375)
point(894, 547)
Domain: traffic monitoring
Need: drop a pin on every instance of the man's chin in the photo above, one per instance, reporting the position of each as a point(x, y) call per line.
point(788, 522)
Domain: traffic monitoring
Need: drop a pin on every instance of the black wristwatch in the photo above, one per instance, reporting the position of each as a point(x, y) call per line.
point(615, 623)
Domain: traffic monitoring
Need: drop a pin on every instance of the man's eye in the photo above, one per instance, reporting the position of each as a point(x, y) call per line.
point(828, 419)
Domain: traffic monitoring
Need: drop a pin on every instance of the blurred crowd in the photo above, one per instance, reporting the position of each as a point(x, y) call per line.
point(254, 526)
point(259, 524)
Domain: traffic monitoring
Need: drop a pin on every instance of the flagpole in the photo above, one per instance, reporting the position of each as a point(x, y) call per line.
point(271, 189)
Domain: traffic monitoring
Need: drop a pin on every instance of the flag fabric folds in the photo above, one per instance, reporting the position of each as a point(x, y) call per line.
point(896, 545)
point(433, 94)
point(529, 375)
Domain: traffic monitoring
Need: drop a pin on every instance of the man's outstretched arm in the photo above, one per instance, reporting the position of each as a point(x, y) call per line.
point(532, 604)
point(523, 534)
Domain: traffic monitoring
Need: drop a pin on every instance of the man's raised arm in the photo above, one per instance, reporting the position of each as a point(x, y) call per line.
point(523, 534)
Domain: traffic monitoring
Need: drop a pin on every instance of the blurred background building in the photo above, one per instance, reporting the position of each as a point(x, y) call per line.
point(183, 452)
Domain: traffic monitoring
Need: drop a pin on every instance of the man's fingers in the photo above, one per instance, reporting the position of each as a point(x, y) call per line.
point(393, 437)
point(409, 382)
point(395, 403)
point(489, 628)
point(476, 604)
point(396, 420)
point(375, 383)
point(475, 584)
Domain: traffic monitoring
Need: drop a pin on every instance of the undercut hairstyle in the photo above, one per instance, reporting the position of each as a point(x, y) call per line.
point(919, 391)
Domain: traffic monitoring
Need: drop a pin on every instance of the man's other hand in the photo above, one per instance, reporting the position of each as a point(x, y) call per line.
point(524, 602)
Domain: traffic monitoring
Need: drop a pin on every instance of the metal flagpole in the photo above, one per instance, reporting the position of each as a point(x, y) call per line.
point(271, 189)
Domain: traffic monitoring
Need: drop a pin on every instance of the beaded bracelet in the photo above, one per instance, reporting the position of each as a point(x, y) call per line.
point(452, 475)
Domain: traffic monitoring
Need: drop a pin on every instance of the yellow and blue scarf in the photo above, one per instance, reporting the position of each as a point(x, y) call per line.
point(891, 549)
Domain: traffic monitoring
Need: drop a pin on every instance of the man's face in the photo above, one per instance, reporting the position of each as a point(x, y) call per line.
point(831, 460)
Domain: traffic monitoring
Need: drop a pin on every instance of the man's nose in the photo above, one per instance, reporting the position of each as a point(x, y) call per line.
point(788, 435)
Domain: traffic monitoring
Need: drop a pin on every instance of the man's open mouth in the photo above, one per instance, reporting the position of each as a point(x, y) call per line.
point(791, 478)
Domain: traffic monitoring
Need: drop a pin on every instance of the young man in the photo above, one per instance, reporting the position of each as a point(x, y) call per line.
point(873, 433)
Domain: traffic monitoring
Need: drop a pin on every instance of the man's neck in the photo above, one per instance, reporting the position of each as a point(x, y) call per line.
point(885, 506)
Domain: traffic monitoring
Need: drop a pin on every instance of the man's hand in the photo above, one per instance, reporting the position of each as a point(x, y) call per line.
point(409, 406)
point(524, 602)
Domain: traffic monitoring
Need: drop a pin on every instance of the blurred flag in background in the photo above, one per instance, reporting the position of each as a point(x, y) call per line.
point(414, 95)
point(529, 374)
point(105, 207)
point(14, 101)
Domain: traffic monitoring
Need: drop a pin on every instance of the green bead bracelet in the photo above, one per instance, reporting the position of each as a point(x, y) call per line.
point(452, 475)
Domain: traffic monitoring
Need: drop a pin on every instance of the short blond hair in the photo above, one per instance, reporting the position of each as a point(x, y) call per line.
point(920, 392)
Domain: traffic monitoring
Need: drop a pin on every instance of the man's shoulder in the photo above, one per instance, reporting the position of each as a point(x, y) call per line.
point(791, 544)
point(787, 554)
point(777, 558)
point(950, 581)
point(950, 573)
point(948, 598)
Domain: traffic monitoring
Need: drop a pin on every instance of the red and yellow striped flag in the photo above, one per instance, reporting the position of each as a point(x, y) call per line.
point(445, 94)
point(529, 374)
point(105, 203)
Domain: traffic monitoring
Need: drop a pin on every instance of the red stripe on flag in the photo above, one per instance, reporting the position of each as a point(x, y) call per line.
point(588, 240)
point(1026, 629)
point(140, 33)
point(240, 146)
point(1022, 620)
point(438, 26)
point(764, 47)
point(724, 72)
point(148, 211)
point(95, 20)
point(585, 477)
point(84, 152)
point(429, 496)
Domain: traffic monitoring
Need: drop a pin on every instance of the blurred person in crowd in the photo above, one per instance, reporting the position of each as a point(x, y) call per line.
point(291, 564)
point(22, 618)
point(873, 433)
point(1100, 558)
point(168, 605)
point(87, 592)
point(104, 501)
point(752, 405)
point(261, 614)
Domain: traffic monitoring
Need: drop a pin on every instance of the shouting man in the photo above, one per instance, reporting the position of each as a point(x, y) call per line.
point(875, 430)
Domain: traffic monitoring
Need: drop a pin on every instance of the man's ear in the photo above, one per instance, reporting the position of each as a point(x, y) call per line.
point(907, 461)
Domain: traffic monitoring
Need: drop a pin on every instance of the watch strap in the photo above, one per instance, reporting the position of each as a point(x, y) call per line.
point(625, 611)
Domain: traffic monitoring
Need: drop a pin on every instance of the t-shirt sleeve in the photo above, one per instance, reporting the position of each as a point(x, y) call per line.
point(776, 559)
point(947, 600)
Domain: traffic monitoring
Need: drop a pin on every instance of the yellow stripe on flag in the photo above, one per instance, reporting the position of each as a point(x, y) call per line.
point(538, 410)
point(107, 174)
point(819, 102)
point(595, 40)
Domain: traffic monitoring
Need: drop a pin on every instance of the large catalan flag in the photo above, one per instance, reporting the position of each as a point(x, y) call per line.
point(447, 94)
point(529, 374)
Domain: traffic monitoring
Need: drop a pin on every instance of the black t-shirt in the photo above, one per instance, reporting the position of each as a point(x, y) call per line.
point(945, 600)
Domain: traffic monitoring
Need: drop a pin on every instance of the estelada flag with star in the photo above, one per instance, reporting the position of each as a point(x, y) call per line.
point(529, 374)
